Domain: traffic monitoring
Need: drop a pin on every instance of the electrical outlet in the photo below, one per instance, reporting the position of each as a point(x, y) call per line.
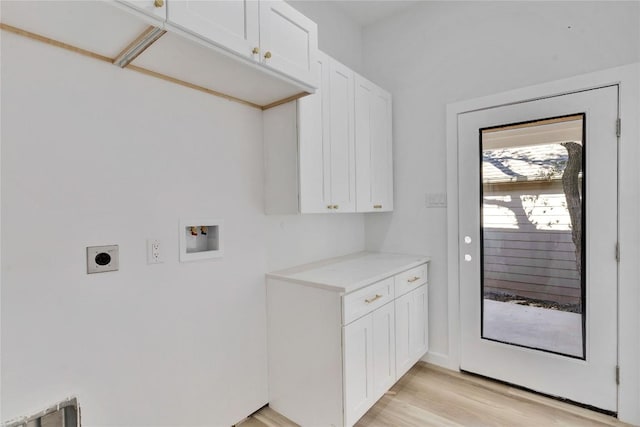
point(154, 251)
point(101, 259)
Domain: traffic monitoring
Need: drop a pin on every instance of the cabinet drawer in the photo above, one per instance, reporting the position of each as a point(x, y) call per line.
point(367, 299)
point(410, 279)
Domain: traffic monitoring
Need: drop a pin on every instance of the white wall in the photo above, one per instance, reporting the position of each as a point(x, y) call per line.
point(92, 155)
point(439, 52)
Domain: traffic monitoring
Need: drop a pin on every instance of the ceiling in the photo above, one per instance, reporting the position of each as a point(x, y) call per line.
point(367, 12)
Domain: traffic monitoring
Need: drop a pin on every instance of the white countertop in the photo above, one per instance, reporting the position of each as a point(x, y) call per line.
point(350, 272)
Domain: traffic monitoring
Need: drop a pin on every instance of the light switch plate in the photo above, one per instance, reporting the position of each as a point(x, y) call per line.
point(101, 259)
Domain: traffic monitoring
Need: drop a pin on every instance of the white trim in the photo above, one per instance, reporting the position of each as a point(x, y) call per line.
point(629, 195)
point(438, 359)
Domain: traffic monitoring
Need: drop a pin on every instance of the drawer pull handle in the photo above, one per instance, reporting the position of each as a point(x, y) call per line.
point(370, 300)
point(377, 206)
point(413, 279)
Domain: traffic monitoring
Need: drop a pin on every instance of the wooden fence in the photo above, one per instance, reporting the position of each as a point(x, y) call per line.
point(528, 246)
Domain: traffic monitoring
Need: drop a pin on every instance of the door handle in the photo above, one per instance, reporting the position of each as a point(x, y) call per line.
point(370, 300)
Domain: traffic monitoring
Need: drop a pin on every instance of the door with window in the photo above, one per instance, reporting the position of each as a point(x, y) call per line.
point(538, 229)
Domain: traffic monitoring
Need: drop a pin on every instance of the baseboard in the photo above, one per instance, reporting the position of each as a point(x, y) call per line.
point(440, 359)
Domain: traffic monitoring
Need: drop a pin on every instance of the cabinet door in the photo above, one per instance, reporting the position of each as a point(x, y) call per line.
point(313, 145)
point(341, 140)
point(358, 368)
point(384, 349)
point(411, 328)
point(374, 157)
point(230, 24)
point(404, 311)
point(288, 41)
point(148, 7)
point(419, 324)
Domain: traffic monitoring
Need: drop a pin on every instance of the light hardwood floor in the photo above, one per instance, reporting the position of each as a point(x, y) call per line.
point(432, 396)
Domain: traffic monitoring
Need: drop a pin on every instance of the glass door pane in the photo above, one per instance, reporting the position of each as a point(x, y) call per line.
point(532, 214)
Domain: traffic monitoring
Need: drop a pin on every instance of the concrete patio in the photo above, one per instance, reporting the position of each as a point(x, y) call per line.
point(541, 328)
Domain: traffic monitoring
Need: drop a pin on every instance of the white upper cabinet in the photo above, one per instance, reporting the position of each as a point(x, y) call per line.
point(270, 32)
point(205, 45)
point(156, 9)
point(374, 157)
point(319, 130)
point(342, 138)
point(86, 25)
point(231, 24)
point(288, 41)
point(313, 145)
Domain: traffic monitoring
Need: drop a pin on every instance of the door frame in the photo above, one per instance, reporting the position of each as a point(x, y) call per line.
point(628, 80)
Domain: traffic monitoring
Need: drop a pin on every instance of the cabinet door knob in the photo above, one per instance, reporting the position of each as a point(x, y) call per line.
point(377, 206)
point(255, 50)
point(267, 55)
point(335, 206)
point(158, 3)
point(329, 206)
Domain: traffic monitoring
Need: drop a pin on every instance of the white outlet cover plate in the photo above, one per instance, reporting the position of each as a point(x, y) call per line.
point(151, 259)
point(96, 264)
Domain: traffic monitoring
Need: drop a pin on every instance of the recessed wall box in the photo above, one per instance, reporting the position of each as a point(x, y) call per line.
point(200, 239)
point(101, 259)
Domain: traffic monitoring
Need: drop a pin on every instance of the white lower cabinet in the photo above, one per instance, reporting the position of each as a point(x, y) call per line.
point(411, 329)
point(384, 354)
point(418, 326)
point(358, 368)
point(341, 332)
point(369, 360)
